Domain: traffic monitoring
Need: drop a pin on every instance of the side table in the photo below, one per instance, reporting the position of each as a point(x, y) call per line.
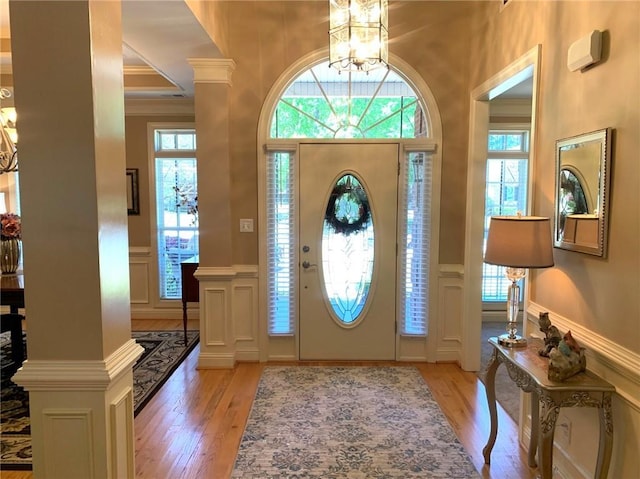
point(529, 371)
point(190, 288)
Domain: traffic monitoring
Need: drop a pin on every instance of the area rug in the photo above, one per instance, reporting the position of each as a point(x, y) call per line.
point(348, 422)
point(507, 392)
point(163, 353)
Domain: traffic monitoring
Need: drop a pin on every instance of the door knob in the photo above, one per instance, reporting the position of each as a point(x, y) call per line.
point(306, 264)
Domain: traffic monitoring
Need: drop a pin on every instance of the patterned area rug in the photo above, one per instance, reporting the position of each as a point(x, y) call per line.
point(507, 392)
point(348, 422)
point(163, 353)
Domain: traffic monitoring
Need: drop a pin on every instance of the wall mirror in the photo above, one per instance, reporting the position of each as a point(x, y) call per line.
point(582, 192)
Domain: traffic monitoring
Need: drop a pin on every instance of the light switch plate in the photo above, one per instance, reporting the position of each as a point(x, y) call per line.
point(246, 225)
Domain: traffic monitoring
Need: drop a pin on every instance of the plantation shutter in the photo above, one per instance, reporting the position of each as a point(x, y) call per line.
point(415, 194)
point(281, 294)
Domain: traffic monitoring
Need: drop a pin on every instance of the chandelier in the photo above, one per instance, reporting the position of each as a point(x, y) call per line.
point(8, 136)
point(358, 34)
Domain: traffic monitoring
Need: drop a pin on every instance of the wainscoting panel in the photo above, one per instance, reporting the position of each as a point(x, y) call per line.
point(216, 300)
point(139, 282)
point(229, 315)
point(122, 446)
point(243, 313)
point(72, 457)
point(449, 317)
point(245, 316)
point(143, 286)
point(139, 274)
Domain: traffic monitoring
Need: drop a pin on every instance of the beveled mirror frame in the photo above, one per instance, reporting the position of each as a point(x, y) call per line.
point(583, 164)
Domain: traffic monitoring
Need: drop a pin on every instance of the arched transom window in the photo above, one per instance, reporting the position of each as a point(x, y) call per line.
point(323, 103)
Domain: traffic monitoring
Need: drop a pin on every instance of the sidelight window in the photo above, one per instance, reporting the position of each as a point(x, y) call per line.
point(176, 208)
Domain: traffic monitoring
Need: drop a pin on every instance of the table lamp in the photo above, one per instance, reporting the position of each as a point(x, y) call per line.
point(518, 242)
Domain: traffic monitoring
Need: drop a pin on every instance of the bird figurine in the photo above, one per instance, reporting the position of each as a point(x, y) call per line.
point(552, 334)
point(570, 342)
point(567, 359)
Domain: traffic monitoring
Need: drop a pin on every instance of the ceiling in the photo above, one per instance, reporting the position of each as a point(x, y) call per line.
point(158, 38)
point(521, 91)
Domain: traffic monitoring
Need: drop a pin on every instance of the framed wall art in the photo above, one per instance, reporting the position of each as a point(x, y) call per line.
point(133, 197)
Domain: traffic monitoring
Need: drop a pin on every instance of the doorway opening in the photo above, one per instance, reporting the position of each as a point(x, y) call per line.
point(511, 90)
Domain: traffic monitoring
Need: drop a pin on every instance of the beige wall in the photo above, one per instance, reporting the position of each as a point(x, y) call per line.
point(601, 294)
point(456, 46)
point(265, 38)
point(598, 296)
point(138, 157)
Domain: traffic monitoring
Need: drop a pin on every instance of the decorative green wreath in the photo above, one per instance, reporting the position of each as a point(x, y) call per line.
point(344, 224)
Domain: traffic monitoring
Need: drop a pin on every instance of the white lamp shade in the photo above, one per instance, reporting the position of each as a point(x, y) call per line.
point(519, 242)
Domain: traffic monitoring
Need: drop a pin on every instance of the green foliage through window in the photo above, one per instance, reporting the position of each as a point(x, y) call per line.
point(321, 103)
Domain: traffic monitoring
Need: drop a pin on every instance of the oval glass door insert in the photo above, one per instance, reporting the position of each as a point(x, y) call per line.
point(347, 249)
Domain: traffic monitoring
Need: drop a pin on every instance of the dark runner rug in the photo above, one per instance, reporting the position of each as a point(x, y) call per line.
point(348, 422)
point(163, 353)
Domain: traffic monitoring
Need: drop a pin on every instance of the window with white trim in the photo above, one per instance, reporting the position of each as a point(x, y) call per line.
point(506, 195)
point(176, 205)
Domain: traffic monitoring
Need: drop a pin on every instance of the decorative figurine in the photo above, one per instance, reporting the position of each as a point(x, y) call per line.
point(552, 335)
point(567, 359)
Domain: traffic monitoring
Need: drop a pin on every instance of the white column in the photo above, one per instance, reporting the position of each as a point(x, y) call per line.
point(67, 70)
point(215, 274)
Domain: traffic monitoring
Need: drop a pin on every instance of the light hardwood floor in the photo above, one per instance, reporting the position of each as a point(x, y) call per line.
point(192, 427)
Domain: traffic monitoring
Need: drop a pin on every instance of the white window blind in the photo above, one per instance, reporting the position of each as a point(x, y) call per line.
point(415, 195)
point(281, 295)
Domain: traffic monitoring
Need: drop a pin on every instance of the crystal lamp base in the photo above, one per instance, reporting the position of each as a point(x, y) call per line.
point(512, 342)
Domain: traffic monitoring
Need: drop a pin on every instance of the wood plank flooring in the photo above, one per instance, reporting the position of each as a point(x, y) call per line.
point(192, 427)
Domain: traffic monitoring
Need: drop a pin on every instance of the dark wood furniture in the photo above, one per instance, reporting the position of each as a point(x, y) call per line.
point(190, 288)
point(12, 295)
point(529, 371)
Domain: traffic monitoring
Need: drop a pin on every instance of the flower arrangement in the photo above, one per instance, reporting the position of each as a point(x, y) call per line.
point(11, 226)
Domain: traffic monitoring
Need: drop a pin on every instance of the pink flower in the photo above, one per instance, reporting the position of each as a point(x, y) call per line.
point(11, 226)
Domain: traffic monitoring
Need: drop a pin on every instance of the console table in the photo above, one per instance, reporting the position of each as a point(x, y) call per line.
point(190, 288)
point(12, 295)
point(529, 371)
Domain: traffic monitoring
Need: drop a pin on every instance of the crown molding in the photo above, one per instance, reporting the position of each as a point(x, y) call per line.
point(212, 70)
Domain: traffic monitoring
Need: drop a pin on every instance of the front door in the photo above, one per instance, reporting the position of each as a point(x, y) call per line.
point(347, 218)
